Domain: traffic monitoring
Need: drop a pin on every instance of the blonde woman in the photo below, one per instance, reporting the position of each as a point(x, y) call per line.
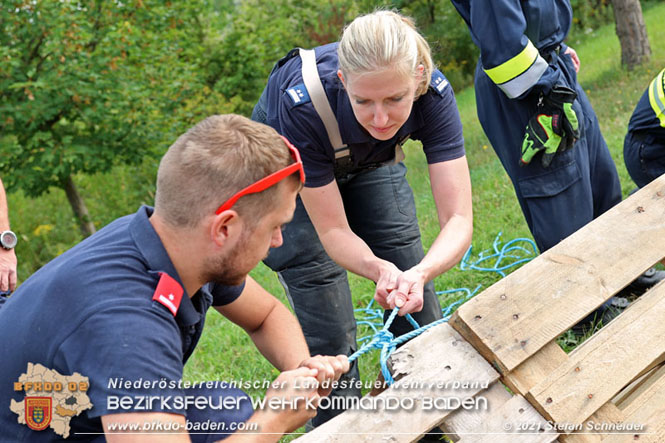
point(356, 211)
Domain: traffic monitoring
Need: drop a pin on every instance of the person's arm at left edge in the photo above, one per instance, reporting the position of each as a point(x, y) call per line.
point(451, 188)
point(7, 256)
point(277, 334)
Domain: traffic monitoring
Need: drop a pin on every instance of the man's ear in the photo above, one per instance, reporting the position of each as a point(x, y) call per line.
point(225, 226)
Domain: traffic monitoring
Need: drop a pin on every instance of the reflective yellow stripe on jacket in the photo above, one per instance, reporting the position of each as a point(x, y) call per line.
point(518, 74)
point(657, 96)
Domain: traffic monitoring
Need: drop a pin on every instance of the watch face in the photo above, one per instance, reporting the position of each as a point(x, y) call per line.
point(8, 239)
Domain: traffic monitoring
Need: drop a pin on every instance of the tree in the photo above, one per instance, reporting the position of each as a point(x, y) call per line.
point(259, 33)
point(453, 50)
point(88, 85)
point(632, 33)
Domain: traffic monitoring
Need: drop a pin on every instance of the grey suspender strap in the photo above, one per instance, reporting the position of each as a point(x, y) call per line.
point(310, 76)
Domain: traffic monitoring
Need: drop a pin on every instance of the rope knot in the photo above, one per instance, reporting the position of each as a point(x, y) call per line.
point(383, 337)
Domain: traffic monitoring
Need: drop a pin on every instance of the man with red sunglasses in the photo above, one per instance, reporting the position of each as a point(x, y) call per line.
point(126, 307)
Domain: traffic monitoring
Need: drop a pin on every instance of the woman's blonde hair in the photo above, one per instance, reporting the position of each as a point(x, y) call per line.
point(385, 40)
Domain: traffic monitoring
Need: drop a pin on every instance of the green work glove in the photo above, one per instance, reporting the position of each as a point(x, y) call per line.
point(553, 129)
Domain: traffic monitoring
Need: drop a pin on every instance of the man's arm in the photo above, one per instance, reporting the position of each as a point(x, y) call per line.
point(272, 327)
point(7, 257)
point(266, 426)
point(277, 334)
point(129, 428)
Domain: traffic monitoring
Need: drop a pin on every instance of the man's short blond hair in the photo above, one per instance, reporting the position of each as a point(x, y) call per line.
point(212, 161)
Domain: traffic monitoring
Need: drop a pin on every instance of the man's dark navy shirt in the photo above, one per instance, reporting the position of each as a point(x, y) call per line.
point(434, 120)
point(91, 311)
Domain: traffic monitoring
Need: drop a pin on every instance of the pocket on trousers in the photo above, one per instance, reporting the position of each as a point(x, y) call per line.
point(404, 200)
point(555, 204)
point(652, 159)
point(550, 183)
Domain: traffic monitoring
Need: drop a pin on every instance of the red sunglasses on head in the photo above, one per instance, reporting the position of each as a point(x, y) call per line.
point(268, 181)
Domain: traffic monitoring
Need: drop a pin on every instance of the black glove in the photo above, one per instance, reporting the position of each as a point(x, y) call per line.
point(554, 128)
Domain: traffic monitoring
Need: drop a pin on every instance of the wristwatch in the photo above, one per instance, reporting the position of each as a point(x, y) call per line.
point(8, 239)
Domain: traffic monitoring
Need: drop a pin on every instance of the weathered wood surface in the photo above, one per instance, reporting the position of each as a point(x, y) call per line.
point(654, 382)
point(516, 421)
point(646, 408)
point(535, 369)
point(465, 421)
point(605, 363)
point(518, 315)
point(438, 357)
point(589, 432)
point(626, 396)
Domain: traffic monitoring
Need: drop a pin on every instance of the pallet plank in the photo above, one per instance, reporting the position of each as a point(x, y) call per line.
point(464, 421)
point(646, 409)
point(438, 357)
point(651, 389)
point(606, 362)
point(516, 421)
point(535, 369)
point(642, 382)
point(518, 315)
point(608, 413)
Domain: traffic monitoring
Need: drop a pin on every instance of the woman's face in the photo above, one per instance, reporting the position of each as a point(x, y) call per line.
point(381, 101)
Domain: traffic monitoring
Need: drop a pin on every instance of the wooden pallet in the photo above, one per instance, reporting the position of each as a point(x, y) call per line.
point(611, 388)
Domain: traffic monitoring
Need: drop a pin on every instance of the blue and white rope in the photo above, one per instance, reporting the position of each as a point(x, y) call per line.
point(506, 257)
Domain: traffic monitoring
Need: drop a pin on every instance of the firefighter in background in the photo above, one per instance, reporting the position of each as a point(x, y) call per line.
point(539, 120)
point(529, 102)
point(644, 146)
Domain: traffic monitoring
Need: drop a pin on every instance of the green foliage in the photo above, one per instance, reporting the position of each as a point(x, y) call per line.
point(452, 49)
point(85, 86)
point(590, 14)
point(45, 226)
point(241, 55)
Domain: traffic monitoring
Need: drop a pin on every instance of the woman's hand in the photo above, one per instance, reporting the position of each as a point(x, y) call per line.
point(408, 295)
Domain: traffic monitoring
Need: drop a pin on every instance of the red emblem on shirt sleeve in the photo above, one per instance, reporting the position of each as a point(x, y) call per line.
point(168, 292)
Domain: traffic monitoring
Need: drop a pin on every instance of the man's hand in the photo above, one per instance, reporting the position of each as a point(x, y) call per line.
point(7, 270)
point(386, 284)
point(329, 369)
point(298, 389)
point(553, 129)
point(573, 55)
point(408, 295)
point(129, 427)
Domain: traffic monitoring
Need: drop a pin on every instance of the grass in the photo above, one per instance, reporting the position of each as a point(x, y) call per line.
point(46, 227)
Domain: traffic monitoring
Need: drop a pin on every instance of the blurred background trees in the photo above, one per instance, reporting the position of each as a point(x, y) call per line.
point(88, 85)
